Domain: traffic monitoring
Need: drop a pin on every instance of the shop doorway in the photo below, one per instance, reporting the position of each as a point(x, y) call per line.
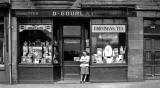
point(71, 50)
point(72, 35)
point(152, 57)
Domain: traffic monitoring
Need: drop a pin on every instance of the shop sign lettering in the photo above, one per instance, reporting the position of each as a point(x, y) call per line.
point(108, 28)
point(28, 13)
point(67, 13)
point(35, 27)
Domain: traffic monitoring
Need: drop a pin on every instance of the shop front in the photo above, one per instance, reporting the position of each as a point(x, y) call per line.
point(109, 50)
point(50, 42)
point(50, 48)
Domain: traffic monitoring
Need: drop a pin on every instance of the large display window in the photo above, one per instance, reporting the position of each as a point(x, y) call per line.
point(36, 44)
point(108, 43)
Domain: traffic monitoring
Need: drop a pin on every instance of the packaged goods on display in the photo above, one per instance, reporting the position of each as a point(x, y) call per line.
point(115, 55)
point(36, 52)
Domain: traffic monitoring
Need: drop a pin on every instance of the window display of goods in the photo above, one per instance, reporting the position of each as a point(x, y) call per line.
point(116, 56)
point(36, 52)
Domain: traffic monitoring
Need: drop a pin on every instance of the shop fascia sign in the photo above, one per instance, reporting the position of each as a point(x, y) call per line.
point(69, 13)
point(53, 13)
point(35, 27)
point(108, 28)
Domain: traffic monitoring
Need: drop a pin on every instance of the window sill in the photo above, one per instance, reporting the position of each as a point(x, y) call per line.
point(35, 65)
point(109, 65)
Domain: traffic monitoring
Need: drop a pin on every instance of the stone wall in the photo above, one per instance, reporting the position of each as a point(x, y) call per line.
point(53, 4)
point(135, 49)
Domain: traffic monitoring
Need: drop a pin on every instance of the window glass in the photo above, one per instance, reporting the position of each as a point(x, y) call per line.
point(157, 56)
point(35, 42)
point(71, 49)
point(152, 26)
point(108, 44)
point(1, 29)
point(1, 40)
point(71, 30)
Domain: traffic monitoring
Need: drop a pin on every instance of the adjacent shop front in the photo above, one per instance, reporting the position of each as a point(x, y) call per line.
point(151, 48)
point(50, 42)
point(4, 72)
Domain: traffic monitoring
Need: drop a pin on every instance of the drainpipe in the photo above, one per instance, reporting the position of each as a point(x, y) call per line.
point(10, 42)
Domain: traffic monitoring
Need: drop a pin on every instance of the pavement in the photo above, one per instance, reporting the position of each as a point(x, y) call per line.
point(144, 84)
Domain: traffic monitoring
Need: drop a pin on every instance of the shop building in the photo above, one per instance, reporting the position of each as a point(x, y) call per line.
point(121, 37)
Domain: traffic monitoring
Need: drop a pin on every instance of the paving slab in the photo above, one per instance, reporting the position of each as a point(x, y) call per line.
point(145, 84)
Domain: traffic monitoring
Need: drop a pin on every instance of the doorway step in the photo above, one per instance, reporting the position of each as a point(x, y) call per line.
point(71, 78)
point(70, 81)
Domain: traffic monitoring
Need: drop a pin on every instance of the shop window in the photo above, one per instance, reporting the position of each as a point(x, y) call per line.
point(36, 44)
point(109, 43)
point(1, 40)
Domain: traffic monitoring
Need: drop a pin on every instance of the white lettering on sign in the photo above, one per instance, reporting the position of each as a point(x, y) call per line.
point(35, 27)
point(67, 13)
point(108, 28)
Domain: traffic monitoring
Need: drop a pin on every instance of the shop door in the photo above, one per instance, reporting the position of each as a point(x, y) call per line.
point(152, 58)
point(71, 51)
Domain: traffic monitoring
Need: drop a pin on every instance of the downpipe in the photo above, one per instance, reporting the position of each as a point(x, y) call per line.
point(10, 42)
